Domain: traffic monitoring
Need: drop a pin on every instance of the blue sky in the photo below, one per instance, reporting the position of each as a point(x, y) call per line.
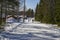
point(31, 4)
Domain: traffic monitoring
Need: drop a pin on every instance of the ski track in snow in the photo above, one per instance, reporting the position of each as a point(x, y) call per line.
point(29, 31)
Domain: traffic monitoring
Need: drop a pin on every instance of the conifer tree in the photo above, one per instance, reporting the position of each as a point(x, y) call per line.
point(57, 12)
point(48, 11)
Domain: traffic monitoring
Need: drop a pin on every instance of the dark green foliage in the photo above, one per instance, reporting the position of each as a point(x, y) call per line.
point(11, 1)
point(48, 11)
point(0, 21)
point(38, 13)
point(57, 11)
point(30, 13)
point(6, 4)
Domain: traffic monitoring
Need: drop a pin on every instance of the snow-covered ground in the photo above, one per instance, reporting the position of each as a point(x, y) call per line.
point(29, 31)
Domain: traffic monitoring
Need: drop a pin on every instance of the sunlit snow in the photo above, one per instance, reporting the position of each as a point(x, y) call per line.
point(29, 30)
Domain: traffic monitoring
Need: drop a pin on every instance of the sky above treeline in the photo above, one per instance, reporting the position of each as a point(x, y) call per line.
point(31, 4)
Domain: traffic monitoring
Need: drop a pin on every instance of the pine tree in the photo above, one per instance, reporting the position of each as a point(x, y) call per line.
point(45, 11)
point(6, 4)
point(36, 13)
point(30, 12)
point(57, 12)
point(48, 11)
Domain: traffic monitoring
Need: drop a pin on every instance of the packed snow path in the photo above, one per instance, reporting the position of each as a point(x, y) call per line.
point(30, 31)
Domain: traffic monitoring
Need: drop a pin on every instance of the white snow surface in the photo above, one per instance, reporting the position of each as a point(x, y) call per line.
point(39, 31)
point(11, 19)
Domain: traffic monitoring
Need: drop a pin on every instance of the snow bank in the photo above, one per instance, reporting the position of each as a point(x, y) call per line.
point(11, 26)
point(11, 19)
point(33, 24)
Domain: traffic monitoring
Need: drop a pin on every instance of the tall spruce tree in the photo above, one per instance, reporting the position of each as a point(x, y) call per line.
point(37, 13)
point(57, 12)
point(46, 12)
point(30, 12)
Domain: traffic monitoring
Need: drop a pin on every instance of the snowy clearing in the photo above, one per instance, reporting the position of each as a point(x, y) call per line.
point(29, 31)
